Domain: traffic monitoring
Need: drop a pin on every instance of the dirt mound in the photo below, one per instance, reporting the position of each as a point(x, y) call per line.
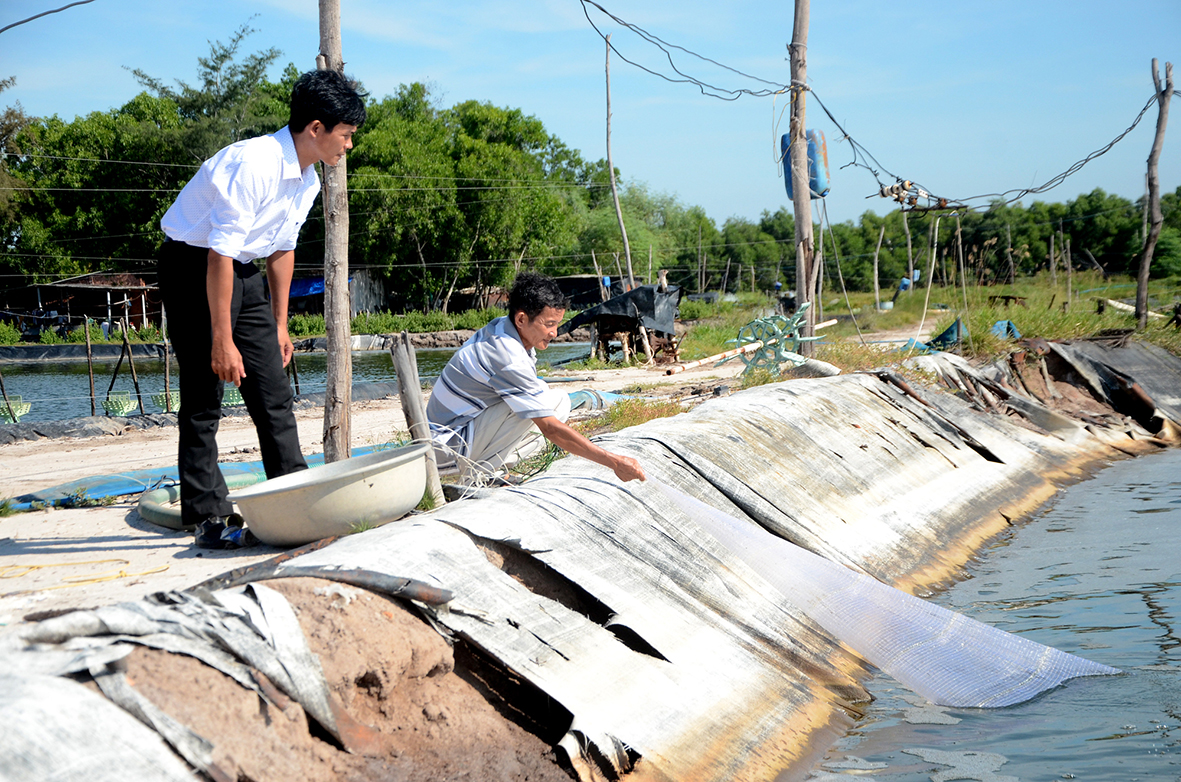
point(388, 669)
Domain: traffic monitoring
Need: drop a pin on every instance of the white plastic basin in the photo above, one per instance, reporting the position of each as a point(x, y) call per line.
point(336, 499)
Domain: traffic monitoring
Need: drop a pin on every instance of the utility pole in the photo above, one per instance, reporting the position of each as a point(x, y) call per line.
point(909, 253)
point(877, 296)
point(337, 313)
point(1162, 119)
point(627, 250)
point(801, 192)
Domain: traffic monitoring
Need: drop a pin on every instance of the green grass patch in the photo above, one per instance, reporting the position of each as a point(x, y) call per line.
point(627, 413)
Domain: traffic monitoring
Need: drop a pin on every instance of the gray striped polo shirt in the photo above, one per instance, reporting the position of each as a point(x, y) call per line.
point(492, 366)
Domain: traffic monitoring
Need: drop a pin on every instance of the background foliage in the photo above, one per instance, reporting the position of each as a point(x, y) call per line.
point(443, 198)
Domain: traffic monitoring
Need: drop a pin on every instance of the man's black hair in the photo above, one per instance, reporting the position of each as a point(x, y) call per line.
point(531, 293)
point(328, 96)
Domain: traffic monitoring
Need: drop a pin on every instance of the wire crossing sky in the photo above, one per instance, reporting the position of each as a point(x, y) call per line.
point(965, 98)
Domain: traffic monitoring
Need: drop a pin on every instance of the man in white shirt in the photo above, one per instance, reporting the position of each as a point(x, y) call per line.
point(245, 204)
point(489, 396)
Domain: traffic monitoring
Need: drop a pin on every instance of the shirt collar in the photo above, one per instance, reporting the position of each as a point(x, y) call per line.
point(291, 169)
point(510, 329)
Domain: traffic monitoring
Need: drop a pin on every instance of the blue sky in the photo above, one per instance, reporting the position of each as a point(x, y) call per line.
point(964, 98)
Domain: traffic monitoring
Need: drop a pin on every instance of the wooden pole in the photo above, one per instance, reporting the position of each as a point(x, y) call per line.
point(410, 391)
point(294, 373)
point(338, 392)
point(599, 276)
point(877, 297)
point(1162, 119)
point(700, 263)
point(627, 250)
point(648, 279)
point(1053, 265)
point(959, 251)
point(798, 152)
point(90, 366)
point(818, 276)
point(909, 254)
point(8, 404)
point(1009, 253)
point(131, 365)
point(167, 363)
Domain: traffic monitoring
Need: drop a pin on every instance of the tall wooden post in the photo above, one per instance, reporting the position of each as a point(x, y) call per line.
point(1157, 218)
point(413, 408)
point(909, 254)
point(1009, 253)
point(627, 250)
point(877, 294)
point(1053, 264)
point(337, 312)
point(801, 193)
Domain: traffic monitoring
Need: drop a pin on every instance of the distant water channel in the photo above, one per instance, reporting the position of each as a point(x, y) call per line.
point(1098, 575)
point(61, 389)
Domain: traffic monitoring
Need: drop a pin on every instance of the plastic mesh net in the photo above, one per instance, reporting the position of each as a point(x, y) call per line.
point(946, 657)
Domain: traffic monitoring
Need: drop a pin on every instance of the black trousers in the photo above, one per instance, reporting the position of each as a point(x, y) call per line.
point(182, 272)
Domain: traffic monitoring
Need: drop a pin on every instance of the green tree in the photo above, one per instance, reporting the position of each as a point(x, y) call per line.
point(12, 121)
point(232, 100)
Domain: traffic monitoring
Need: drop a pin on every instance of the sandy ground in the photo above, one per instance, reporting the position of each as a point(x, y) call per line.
point(59, 559)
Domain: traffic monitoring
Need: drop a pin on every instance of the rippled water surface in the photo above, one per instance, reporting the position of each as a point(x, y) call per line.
point(1098, 575)
point(58, 390)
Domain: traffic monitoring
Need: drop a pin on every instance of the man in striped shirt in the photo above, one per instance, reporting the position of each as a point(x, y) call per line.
point(489, 395)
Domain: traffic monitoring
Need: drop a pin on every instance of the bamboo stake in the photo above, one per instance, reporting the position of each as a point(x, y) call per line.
point(877, 298)
point(8, 404)
point(167, 363)
point(131, 364)
point(627, 250)
point(410, 391)
point(90, 365)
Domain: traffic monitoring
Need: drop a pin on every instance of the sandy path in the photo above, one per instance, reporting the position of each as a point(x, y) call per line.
point(56, 543)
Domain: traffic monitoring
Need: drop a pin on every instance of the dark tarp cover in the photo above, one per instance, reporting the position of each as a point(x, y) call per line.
point(655, 310)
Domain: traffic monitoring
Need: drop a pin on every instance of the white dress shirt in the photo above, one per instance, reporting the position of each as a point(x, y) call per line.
point(248, 201)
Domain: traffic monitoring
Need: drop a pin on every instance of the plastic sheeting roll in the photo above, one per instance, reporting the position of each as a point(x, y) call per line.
point(948, 658)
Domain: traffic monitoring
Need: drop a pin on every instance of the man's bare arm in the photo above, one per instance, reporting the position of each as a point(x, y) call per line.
point(224, 360)
point(561, 435)
point(280, 267)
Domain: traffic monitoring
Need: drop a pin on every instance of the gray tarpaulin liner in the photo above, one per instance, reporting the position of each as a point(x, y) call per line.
point(232, 630)
point(1156, 370)
point(849, 468)
point(946, 657)
point(51, 732)
point(706, 669)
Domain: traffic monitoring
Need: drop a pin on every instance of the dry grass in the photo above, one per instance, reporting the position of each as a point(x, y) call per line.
point(627, 413)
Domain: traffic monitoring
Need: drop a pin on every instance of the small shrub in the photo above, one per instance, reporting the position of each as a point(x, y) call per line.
point(49, 336)
point(148, 333)
point(9, 334)
point(477, 319)
point(301, 325)
point(79, 336)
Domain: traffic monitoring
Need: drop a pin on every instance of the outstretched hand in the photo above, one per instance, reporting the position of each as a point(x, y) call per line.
point(628, 469)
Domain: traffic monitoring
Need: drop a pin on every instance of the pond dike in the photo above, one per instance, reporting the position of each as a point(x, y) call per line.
point(648, 650)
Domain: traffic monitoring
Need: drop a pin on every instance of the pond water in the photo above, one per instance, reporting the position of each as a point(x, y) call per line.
point(1098, 575)
point(59, 390)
